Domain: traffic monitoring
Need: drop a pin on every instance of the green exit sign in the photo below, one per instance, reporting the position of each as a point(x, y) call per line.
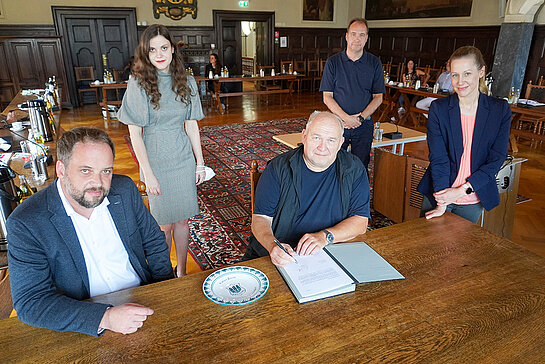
point(243, 4)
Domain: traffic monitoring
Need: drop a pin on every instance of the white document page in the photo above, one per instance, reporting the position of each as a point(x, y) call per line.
point(314, 274)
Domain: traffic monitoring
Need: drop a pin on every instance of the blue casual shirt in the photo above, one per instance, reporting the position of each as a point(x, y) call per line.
point(444, 81)
point(320, 200)
point(353, 83)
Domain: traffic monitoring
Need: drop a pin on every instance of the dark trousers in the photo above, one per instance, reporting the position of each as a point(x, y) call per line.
point(254, 250)
point(469, 212)
point(360, 140)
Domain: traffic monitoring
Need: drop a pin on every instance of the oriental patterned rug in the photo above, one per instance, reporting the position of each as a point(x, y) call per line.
point(218, 235)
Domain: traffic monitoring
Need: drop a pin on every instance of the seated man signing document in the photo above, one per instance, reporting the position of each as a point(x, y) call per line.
point(311, 196)
point(86, 234)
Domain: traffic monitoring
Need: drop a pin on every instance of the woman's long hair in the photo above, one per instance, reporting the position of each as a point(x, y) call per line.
point(218, 63)
point(470, 51)
point(146, 73)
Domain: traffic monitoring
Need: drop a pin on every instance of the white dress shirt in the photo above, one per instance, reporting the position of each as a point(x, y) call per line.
point(106, 258)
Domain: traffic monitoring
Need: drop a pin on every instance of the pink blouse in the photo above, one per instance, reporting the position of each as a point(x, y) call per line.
point(468, 124)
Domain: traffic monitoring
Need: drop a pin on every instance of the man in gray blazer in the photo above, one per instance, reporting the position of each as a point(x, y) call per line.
point(86, 234)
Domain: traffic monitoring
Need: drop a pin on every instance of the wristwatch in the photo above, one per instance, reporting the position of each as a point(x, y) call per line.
point(328, 236)
point(469, 190)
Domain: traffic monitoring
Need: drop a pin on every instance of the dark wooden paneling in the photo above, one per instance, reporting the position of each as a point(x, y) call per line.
point(535, 67)
point(24, 60)
point(430, 46)
point(426, 46)
point(27, 62)
point(27, 30)
point(309, 43)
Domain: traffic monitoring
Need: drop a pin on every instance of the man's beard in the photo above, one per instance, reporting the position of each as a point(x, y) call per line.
point(79, 197)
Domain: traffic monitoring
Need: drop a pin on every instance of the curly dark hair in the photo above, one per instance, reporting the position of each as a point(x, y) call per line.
point(146, 73)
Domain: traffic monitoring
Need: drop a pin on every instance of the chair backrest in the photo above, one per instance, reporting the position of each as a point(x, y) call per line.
point(254, 178)
point(313, 66)
point(300, 66)
point(247, 66)
point(142, 189)
point(400, 72)
point(535, 92)
point(6, 304)
point(322, 65)
point(118, 75)
point(84, 73)
point(285, 65)
point(541, 81)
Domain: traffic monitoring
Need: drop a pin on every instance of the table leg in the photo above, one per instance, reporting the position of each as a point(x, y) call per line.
point(217, 87)
point(513, 143)
point(105, 102)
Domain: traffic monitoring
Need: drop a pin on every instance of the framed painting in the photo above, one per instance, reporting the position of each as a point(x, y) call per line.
point(320, 10)
point(410, 9)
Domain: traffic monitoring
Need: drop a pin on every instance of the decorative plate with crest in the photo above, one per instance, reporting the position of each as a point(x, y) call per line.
point(235, 286)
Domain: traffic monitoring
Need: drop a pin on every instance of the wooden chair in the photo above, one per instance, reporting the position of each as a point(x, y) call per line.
point(6, 304)
point(142, 189)
point(314, 74)
point(533, 124)
point(254, 178)
point(541, 81)
point(84, 76)
point(400, 72)
point(248, 65)
point(285, 65)
point(301, 68)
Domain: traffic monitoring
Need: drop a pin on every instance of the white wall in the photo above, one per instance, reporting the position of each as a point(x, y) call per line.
point(288, 13)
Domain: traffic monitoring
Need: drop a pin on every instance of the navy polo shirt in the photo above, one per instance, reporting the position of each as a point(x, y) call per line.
point(353, 83)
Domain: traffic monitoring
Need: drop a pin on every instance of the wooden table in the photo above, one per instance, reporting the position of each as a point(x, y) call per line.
point(409, 136)
point(391, 102)
point(289, 79)
point(469, 296)
point(105, 102)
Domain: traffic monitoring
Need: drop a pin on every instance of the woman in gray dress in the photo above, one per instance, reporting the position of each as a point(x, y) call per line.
point(161, 108)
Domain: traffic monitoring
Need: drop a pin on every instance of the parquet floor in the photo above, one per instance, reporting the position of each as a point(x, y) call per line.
point(529, 229)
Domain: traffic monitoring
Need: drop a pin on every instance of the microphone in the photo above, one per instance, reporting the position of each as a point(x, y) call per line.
point(396, 134)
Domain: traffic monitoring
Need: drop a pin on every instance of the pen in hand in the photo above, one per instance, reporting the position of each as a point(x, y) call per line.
point(284, 249)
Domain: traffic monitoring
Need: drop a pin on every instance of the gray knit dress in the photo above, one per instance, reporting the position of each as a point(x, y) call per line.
point(167, 144)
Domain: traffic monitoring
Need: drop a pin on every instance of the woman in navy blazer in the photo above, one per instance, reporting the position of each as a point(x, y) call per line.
point(467, 136)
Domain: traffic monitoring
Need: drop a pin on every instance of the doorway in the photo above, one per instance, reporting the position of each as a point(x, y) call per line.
point(97, 37)
point(230, 39)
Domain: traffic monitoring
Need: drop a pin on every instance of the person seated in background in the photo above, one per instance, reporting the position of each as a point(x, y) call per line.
point(412, 74)
point(215, 67)
point(85, 235)
point(445, 85)
point(311, 196)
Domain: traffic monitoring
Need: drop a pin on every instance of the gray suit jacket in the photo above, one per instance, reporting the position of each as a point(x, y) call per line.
point(47, 269)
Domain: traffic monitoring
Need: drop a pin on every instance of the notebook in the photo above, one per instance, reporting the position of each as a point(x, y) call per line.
point(336, 270)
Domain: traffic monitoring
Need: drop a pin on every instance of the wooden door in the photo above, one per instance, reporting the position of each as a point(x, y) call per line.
point(89, 32)
point(231, 46)
point(114, 42)
point(91, 38)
